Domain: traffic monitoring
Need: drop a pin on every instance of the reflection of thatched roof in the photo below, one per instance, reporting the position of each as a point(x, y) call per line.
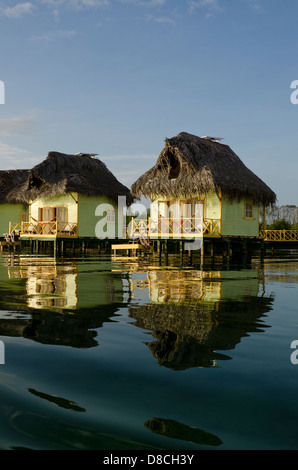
point(61, 173)
point(189, 164)
point(191, 336)
point(74, 328)
point(9, 179)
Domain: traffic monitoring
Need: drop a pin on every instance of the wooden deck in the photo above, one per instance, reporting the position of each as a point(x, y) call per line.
point(148, 228)
point(44, 229)
point(185, 228)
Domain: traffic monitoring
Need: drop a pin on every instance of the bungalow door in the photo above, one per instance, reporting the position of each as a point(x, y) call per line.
point(61, 217)
point(198, 211)
point(46, 214)
point(46, 218)
point(175, 217)
point(192, 215)
point(163, 217)
point(169, 216)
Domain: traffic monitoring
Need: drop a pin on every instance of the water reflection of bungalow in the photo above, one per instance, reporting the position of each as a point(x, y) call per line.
point(281, 271)
point(63, 193)
point(183, 286)
point(200, 186)
point(51, 286)
point(190, 330)
point(66, 286)
point(208, 287)
point(57, 303)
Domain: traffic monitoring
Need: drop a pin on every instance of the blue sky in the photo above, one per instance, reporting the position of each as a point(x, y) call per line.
point(116, 77)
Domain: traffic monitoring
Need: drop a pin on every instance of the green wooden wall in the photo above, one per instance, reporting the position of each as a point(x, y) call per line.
point(92, 217)
point(234, 222)
point(9, 213)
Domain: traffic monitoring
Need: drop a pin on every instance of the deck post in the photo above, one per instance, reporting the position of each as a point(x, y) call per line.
point(202, 254)
point(159, 248)
point(263, 249)
point(229, 249)
point(212, 249)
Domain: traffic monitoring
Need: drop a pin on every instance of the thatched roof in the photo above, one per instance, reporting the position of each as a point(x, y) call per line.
point(10, 179)
point(189, 164)
point(61, 173)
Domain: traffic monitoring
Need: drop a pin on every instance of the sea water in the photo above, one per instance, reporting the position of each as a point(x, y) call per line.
point(115, 353)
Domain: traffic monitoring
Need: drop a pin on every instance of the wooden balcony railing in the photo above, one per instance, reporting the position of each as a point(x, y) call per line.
point(280, 235)
point(15, 227)
point(174, 228)
point(39, 229)
point(212, 227)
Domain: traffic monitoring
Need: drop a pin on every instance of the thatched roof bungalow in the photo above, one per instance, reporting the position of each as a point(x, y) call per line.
point(192, 171)
point(11, 210)
point(64, 191)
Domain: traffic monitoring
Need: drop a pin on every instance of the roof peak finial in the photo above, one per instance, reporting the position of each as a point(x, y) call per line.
point(214, 139)
point(81, 154)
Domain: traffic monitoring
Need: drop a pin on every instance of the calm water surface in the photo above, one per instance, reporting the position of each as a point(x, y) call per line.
point(118, 353)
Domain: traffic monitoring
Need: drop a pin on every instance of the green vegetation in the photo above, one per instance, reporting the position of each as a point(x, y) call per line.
point(281, 224)
point(282, 217)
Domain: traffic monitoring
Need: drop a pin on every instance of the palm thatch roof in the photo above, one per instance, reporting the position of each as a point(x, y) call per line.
point(10, 179)
point(62, 173)
point(190, 165)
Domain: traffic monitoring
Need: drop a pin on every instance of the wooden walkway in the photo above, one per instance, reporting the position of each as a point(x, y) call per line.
point(127, 246)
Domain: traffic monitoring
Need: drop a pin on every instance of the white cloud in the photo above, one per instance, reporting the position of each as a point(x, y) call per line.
point(163, 19)
point(56, 15)
point(76, 4)
point(57, 6)
point(147, 3)
point(18, 10)
point(12, 158)
point(211, 5)
point(52, 35)
point(17, 125)
point(159, 19)
point(254, 4)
